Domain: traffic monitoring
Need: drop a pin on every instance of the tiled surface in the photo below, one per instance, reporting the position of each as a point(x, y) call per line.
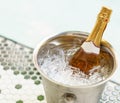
point(15, 88)
point(20, 82)
point(111, 93)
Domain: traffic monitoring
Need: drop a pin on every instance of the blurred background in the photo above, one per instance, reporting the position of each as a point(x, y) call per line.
point(30, 21)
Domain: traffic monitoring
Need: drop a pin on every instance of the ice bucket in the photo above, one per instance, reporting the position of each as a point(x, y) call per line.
point(61, 93)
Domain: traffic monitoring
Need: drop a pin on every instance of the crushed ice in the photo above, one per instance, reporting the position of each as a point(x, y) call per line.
point(54, 64)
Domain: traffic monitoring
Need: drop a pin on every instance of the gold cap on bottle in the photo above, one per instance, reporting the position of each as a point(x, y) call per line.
point(105, 14)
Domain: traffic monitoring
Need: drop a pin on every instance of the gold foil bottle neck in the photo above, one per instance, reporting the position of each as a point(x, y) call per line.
point(100, 26)
point(105, 14)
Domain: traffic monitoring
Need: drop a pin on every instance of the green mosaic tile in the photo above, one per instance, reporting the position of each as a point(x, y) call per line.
point(26, 56)
point(37, 82)
point(6, 68)
point(18, 86)
point(31, 64)
point(40, 77)
point(23, 72)
point(21, 48)
point(19, 101)
point(16, 72)
point(5, 44)
point(34, 77)
point(5, 56)
point(28, 68)
point(40, 97)
point(13, 68)
point(34, 69)
point(3, 63)
point(31, 72)
point(10, 64)
point(27, 77)
point(31, 52)
point(29, 60)
point(37, 73)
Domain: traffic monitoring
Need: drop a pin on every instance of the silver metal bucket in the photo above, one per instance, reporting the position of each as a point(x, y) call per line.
point(62, 93)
